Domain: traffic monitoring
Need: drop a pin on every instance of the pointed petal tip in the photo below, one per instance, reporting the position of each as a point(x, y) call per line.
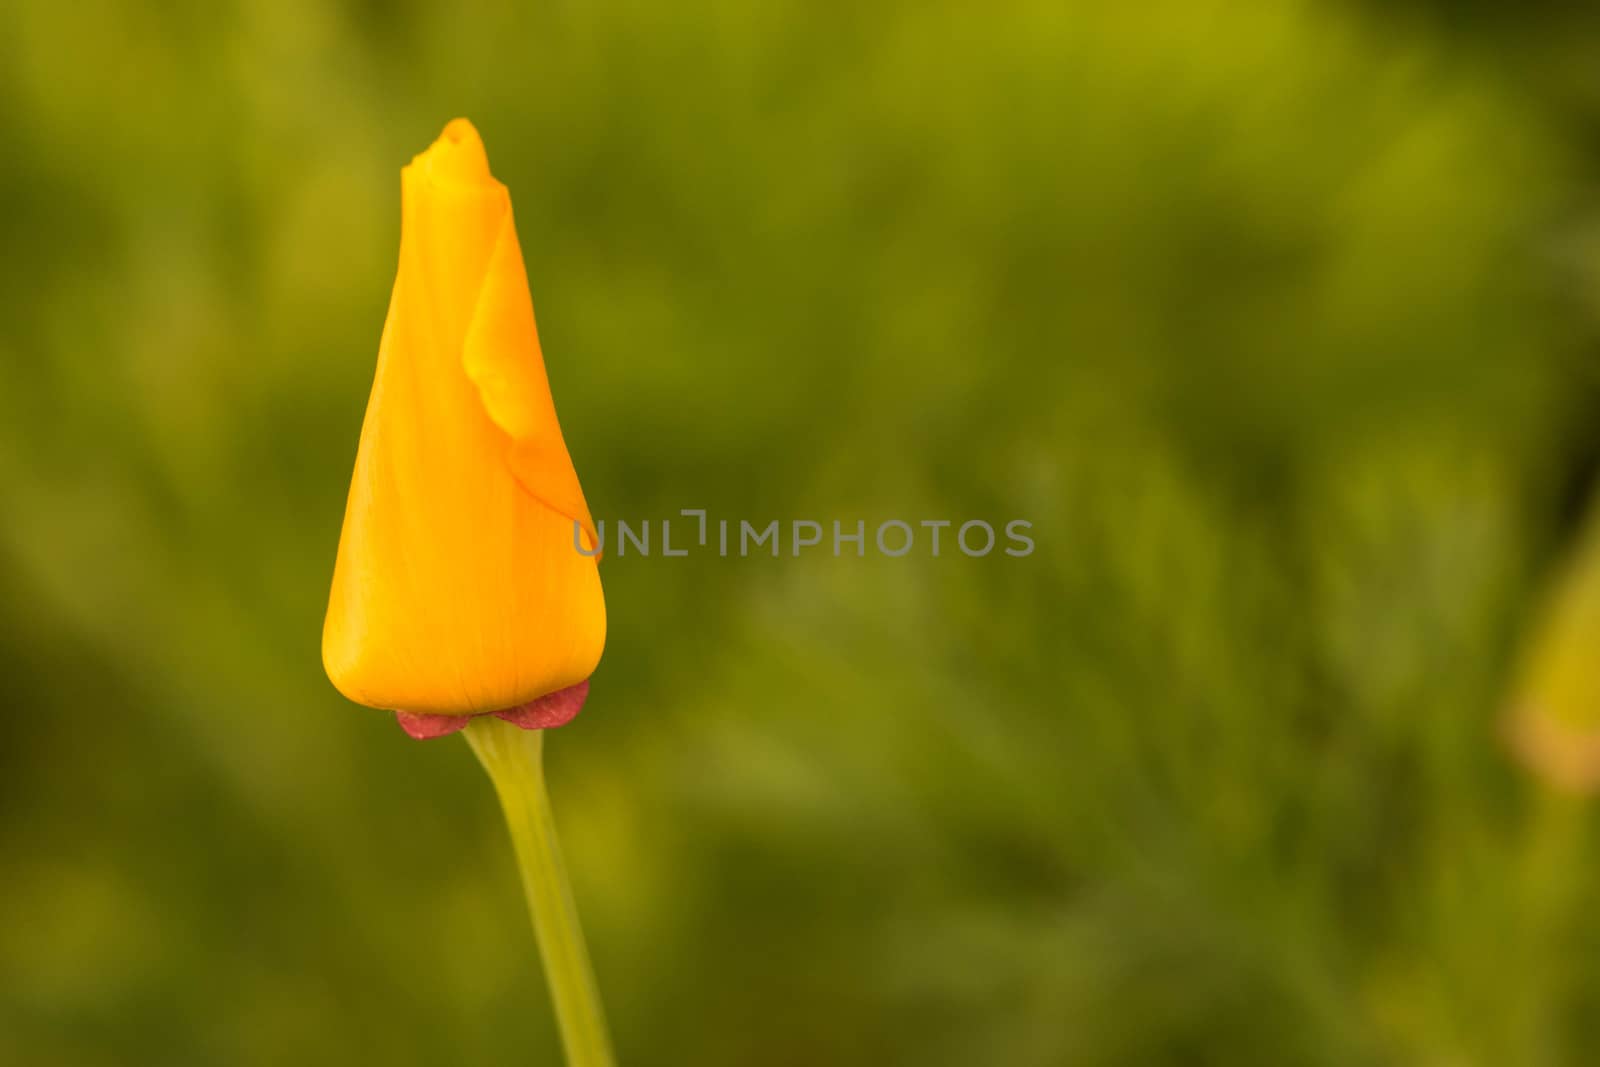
point(460, 130)
point(458, 155)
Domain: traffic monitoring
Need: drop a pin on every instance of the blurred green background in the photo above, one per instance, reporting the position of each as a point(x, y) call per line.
point(1278, 321)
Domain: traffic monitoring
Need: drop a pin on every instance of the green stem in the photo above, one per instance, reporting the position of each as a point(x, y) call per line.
point(514, 759)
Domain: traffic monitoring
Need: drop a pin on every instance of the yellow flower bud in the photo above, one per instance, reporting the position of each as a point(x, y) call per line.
point(458, 587)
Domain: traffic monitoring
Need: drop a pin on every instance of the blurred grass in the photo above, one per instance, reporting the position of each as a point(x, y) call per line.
point(1267, 316)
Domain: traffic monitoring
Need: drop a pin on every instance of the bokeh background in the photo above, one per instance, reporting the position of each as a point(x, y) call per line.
point(1279, 322)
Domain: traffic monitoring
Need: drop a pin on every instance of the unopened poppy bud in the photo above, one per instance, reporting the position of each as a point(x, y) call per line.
point(456, 590)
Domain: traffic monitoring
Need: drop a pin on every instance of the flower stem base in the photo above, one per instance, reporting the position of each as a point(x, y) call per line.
point(514, 758)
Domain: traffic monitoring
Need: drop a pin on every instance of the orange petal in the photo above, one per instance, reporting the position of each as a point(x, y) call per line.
point(512, 385)
point(457, 587)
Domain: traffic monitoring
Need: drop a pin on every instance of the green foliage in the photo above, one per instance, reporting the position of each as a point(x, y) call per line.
point(1251, 309)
